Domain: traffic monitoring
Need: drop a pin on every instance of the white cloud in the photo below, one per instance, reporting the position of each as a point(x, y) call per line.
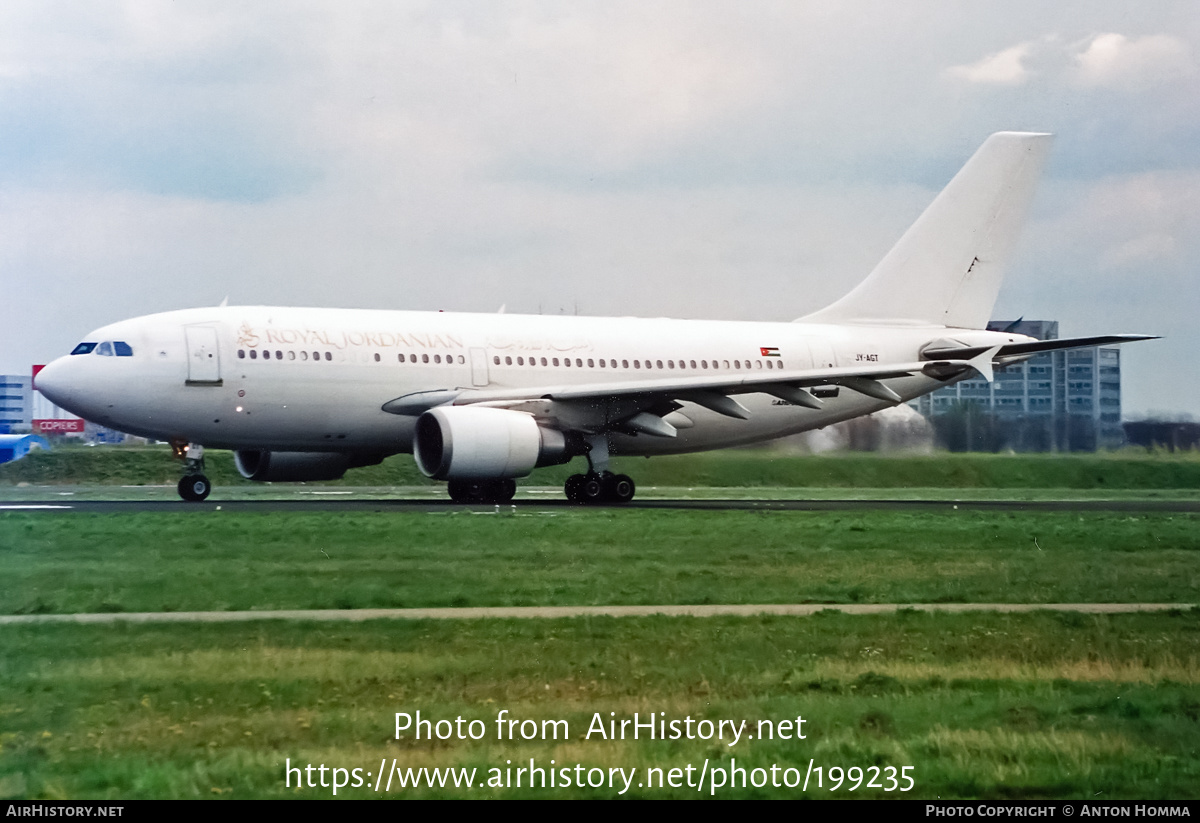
point(1114, 61)
point(1004, 68)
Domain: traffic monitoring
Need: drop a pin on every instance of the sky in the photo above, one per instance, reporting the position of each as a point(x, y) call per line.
point(717, 160)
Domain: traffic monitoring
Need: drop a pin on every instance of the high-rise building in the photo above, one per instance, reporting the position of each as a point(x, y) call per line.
point(16, 405)
point(1055, 401)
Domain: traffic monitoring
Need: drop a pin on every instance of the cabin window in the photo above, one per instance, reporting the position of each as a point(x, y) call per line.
point(704, 364)
point(241, 354)
point(658, 363)
point(554, 361)
point(292, 356)
point(437, 358)
point(328, 355)
point(424, 358)
point(303, 355)
point(253, 354)
point(376, 357)
point(543, 361)
point(637, 364)
point(520, 361)
point(508, 361)
point(591, 363)
point(316, 355)
point(496, 360)
point(83, 348)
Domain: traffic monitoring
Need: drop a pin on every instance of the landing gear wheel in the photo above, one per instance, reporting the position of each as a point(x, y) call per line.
point(482, 491)
point(591, 489)
point(504, 490)
point(194, 488)
point(571, 488)
point(618, 488)
point(461, 491)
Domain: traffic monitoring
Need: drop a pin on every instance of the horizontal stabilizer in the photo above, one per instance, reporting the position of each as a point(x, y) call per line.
point(1034, 347)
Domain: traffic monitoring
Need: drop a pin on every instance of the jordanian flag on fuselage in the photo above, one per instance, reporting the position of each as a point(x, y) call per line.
point(769, 351)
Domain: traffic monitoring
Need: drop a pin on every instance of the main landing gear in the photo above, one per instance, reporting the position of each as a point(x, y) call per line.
point(599, 485)
point(593, 487)
point(482, 491)
point(194, 486)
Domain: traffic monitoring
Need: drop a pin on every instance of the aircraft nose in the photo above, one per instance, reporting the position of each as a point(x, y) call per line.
point(52, 381)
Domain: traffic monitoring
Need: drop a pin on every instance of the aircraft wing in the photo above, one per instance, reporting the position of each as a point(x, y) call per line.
point(640, 405)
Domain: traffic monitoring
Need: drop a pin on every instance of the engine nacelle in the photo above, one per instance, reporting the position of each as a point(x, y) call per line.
point(291, 466)
point(478, 442)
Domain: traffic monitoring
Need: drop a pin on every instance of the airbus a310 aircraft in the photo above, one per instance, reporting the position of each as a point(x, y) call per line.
point(480, 399)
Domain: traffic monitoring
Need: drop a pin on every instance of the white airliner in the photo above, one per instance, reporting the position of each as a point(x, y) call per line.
point(481, 399)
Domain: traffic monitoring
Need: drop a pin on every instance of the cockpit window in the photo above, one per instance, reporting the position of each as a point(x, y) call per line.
point(123, 349)
point(105, 349)
point(83, 348)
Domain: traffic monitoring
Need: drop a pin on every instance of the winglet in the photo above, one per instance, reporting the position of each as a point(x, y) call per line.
point(982, 363)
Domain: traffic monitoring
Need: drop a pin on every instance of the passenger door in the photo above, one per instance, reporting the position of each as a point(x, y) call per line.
point(204, 356)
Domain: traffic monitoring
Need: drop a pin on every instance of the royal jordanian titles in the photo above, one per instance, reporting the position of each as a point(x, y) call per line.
point(304, 394)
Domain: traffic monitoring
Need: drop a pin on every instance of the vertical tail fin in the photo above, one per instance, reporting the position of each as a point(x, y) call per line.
point(946, 269)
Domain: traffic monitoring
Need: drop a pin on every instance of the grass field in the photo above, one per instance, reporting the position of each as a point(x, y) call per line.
point(63, 563)
point(1028, 706)
point(975, 705)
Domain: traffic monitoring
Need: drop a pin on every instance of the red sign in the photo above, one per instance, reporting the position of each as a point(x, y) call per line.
point(33, 377)
point(72, 424)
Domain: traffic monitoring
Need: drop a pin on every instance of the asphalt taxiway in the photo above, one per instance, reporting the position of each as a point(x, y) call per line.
point(340, 504)
point(559, 612)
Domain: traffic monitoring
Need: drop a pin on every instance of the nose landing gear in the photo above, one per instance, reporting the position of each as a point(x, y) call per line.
point(194, 486)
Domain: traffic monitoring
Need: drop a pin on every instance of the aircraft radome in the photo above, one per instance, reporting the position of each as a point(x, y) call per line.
point(480, 399)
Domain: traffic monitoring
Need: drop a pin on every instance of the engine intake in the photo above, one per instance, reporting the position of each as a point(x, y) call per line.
point(477, 442)
point(291, 466)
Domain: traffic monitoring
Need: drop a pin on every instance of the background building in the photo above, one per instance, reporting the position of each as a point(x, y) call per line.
point(16, 446)
point(1055, 401)
point(16, 407)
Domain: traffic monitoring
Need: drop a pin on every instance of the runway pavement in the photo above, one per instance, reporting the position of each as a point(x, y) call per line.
point(559, 612)
point(341, 504)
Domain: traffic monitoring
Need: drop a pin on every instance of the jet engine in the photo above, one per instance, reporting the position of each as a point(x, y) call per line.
point(478, 442)
point(292, 466)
